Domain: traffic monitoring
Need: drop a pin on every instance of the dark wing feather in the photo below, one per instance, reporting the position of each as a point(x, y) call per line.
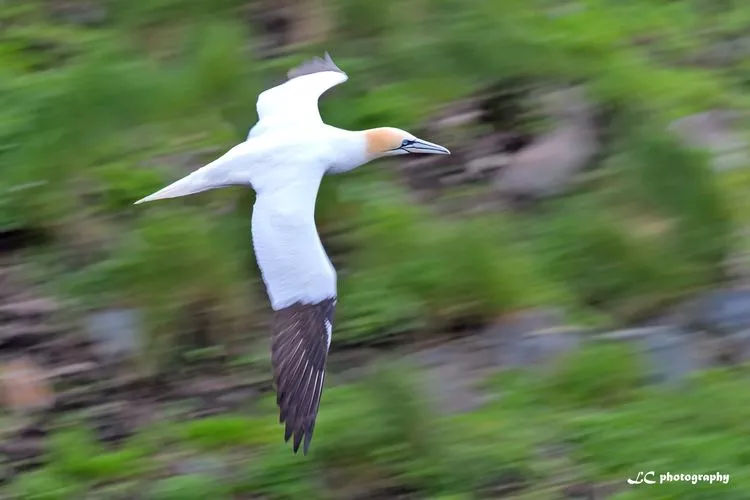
point(298, 353)
point(314, 65)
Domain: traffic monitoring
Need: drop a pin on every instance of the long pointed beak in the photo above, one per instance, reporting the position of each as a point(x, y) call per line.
point(425, 147)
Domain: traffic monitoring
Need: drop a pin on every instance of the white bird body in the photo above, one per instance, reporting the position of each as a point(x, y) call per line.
point(284, 159)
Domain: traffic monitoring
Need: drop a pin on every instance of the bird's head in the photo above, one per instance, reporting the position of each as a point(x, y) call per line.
point(388, 141)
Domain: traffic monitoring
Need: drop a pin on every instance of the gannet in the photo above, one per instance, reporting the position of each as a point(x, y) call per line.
point(284, 158)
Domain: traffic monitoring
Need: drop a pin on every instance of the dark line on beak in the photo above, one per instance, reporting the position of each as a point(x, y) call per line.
point(425, 147)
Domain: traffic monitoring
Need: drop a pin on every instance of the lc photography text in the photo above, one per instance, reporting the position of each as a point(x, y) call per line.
point(651, 477)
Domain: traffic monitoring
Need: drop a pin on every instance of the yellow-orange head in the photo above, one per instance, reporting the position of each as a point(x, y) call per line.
point(389, 141)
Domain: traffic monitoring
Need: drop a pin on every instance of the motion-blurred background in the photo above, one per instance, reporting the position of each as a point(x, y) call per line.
point(553, 308)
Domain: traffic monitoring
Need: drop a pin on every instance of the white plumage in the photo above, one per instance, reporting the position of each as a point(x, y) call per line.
point(284, 159)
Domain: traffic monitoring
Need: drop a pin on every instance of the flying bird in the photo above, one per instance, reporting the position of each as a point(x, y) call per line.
point(284, 158)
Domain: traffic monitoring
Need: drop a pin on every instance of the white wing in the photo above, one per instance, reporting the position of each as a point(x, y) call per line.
point(295, 102)
point(301, 284)
point(293, 263)
point(228, 170)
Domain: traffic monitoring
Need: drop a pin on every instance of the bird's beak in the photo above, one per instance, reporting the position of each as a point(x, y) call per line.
point(425, 147)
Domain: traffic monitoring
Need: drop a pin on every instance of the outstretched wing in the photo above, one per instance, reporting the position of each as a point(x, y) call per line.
point(301, 284)
point(302, 333)
point(296, 101)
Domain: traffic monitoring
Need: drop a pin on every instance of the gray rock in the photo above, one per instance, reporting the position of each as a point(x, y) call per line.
point(112, 421)
point(28, 309)
point(115, 333)
point(76, 398)
point(450, 377)
point(24, 452)
point(80, 12)
point(478, 167)
point(461, 119)
point(23, 334)
point(238, 398)
point(516, 340)
point(736, 347)
point(737, 264)
point(86, 371)
point(715, 132)
point(723, 52)
point(670, 352)
point(720, 311)
point(544, 345)
point(205, 465)
point(548, 165)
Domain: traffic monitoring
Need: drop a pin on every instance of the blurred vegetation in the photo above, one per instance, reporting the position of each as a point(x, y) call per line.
point(93, 117)
point(588, 419)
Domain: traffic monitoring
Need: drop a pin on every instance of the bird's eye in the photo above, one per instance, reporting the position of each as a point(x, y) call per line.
point(406, 142)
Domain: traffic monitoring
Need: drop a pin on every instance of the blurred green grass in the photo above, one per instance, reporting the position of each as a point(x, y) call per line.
point(89, 133)
point(93, 118)
point(587, 419)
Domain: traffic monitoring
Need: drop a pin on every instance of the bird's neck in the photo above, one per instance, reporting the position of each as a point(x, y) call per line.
point(351, 150)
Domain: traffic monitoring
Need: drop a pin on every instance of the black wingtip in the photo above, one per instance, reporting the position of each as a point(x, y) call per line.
point(288, 433)
point(298, 385)
point(297, 441)
point(306, 445)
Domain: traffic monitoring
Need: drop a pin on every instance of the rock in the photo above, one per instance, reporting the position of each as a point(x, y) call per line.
point(505, 483)
point(714, 131)
point(544, 345)
point(462, 119)
point(736, 266)
point(428, 172)
point(28, 309)
point(113, 422)
point(480, 167)
point(115, 333)
point(736, 347)
point(283, 24)
point(579, 491)
point(207, 386)
point(492, 144)
point(670, 352)
point(548, 165)
point(24, 386)
point(454, 370)
point(237, 398)
point(6, 473)
point(720, 312)
point(86, 371)
point(24, 452)
point(76, 398)
point(216, 394)
point(204, 465)
point(527, 337)
point(12, 239)
point(80, 12)
point(723, 52)
point(450, 378)
point(22, 334)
